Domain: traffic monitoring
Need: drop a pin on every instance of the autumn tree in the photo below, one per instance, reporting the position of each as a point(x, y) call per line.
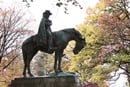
point(14, 26)
point(115, 21)
point(86, 64)
point(13, 71)
point(106, 29)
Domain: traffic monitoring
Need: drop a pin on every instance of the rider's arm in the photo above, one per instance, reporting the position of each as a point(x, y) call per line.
point(48, 22)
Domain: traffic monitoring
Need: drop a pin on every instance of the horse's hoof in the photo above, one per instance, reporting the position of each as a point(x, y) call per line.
point(59, 71)
point(24, 76)
point(31, 75)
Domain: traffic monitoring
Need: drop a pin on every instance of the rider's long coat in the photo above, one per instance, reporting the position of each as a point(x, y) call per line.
point(42, 32)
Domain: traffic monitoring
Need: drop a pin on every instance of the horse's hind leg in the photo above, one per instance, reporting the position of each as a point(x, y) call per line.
point(30, 56)
point(28, 61)
point(24, 71)
point(27, 66)
point(29, 70)
point(25, 63)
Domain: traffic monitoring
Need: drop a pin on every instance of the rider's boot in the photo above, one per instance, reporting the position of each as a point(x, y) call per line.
point(52, 48)
point(50, 45)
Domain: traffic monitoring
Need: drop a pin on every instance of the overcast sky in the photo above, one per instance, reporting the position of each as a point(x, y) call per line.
point(59, 18)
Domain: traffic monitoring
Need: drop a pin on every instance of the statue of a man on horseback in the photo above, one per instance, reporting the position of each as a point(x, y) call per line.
point(43, 41)
point(44, 32)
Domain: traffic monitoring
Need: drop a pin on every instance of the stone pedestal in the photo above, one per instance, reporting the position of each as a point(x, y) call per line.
point(53, 81)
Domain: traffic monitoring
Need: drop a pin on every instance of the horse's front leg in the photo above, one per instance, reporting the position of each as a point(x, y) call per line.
point(58, 59)
point(55, 63)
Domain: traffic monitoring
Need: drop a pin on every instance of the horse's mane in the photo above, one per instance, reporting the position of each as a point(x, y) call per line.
point(73, 30)
point(69, 30)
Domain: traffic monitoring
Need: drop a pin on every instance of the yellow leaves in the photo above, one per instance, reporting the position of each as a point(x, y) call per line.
point(101, 5)
point(92, 34)
point(101, 73)
point(89, 63)
point(120, 58)
point(90, 10)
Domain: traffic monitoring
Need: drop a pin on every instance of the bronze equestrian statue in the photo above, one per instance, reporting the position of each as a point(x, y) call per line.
point(60, 40)
point(49, 42)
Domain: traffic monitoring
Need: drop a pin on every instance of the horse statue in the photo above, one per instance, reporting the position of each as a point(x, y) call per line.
point(60, 40)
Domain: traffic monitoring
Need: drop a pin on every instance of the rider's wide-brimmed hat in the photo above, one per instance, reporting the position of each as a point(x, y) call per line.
point(47, 12)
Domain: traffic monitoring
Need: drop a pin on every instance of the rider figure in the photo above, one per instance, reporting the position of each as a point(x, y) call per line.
point(44, 31)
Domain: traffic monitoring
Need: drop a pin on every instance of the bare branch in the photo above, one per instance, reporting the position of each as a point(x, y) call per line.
point(13, 26)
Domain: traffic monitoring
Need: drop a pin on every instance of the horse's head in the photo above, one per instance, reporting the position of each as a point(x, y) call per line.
point(80, 43)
